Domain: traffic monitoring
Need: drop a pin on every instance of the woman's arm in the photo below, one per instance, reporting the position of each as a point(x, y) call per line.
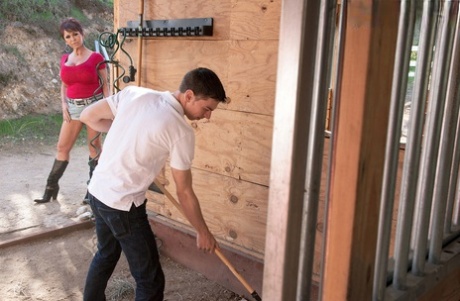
point(98, 116)
point(105, 85)
point(64, 104)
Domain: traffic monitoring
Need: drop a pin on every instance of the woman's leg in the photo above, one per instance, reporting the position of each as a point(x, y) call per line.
point(93, 139)
point(67, 137)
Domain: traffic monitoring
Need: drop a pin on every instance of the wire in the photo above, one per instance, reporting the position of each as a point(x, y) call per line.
point(110, 41)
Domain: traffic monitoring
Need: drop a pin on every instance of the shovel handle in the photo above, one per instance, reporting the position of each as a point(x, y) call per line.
point(234, 271)
point(217, 251)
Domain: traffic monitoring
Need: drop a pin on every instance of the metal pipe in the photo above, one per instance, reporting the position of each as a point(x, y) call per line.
point(451, 219)
point(452, 202)
point(399, 88)
point(412, 151)
point(447, 135)
point(334, 110)
point(454, 186)
point(430, 147)
point(315, 147)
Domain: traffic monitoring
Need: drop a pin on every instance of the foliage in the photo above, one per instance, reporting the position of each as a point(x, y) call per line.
point(47, 14)
point(14, 51)
point(7, 77)
point(42, 128)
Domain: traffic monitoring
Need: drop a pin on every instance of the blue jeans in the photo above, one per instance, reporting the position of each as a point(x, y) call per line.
point(129, 232)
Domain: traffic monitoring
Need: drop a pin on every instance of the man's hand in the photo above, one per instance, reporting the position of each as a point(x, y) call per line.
point(206, 242)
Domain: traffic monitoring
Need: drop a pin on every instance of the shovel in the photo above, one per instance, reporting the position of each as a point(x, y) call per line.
point(219, 254)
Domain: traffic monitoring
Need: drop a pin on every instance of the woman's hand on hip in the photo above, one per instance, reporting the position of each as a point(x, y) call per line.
point(65, 112)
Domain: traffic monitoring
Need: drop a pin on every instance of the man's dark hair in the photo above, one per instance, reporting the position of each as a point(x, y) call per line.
point(70, 25)
point(204, 83)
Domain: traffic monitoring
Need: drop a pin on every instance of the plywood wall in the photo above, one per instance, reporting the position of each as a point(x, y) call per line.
point(233, 149)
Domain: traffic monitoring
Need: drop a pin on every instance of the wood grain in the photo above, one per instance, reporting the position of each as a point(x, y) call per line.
point(235, 211)
point(233, 149)
point(255, 20)
point(252, 76)
point(235, 144)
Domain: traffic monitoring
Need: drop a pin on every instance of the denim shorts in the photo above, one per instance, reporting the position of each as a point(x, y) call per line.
point(75, 110)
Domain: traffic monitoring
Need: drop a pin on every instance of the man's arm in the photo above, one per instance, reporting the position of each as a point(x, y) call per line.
point(191, 208)
point(98, 116)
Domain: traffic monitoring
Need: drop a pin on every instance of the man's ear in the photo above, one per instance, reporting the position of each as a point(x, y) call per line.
point(189, 95)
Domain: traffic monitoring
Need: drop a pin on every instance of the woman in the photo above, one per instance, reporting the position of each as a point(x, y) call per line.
point(84, 81)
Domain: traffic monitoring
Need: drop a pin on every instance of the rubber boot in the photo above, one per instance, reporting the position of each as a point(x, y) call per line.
point(92, 165)
point(52, 186)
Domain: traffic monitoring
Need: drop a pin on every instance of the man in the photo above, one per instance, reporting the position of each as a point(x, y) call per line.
point(144, 127)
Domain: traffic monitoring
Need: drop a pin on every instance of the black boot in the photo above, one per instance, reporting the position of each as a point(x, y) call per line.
point(52, 186)
point(92, 162)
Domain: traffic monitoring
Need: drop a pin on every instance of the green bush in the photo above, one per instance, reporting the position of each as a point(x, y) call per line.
point(47, 14)
point(7, 77)
point(29, 11)
point(43, 128)
point(14, 51)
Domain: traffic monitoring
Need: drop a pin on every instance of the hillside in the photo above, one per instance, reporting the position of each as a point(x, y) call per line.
point(30, 53)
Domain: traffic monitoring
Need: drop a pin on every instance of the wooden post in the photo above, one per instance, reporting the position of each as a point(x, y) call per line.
point(358, 153)
point(295, 81)
point(139, 42)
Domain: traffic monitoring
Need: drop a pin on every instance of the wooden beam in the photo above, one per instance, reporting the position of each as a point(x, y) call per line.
point(358, 153)
point(296, 64)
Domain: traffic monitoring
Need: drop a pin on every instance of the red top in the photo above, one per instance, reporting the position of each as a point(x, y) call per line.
point(82, 80)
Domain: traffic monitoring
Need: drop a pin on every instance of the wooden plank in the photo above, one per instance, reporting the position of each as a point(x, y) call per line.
point(251, 65)
point(246, 68)
point(447, 288)
point(255, 20)
point(116, 14)
point(235, 144)
point(234, 210)
point(295, 70)
point(219, 10)
point(160, 204)
point(156, 50)
point(166, 61)
point(252, 76)
point(126, 11)
point(359, 151)
point(169, 60)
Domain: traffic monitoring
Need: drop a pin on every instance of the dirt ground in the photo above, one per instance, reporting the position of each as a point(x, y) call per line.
point(54, 268)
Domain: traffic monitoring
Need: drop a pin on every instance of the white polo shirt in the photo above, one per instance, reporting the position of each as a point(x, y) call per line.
point(149, 126)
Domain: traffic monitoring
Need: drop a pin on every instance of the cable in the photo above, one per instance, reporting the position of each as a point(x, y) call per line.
point(110, 41)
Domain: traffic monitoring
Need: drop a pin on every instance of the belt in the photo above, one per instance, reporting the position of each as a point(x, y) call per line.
point(80, 102)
